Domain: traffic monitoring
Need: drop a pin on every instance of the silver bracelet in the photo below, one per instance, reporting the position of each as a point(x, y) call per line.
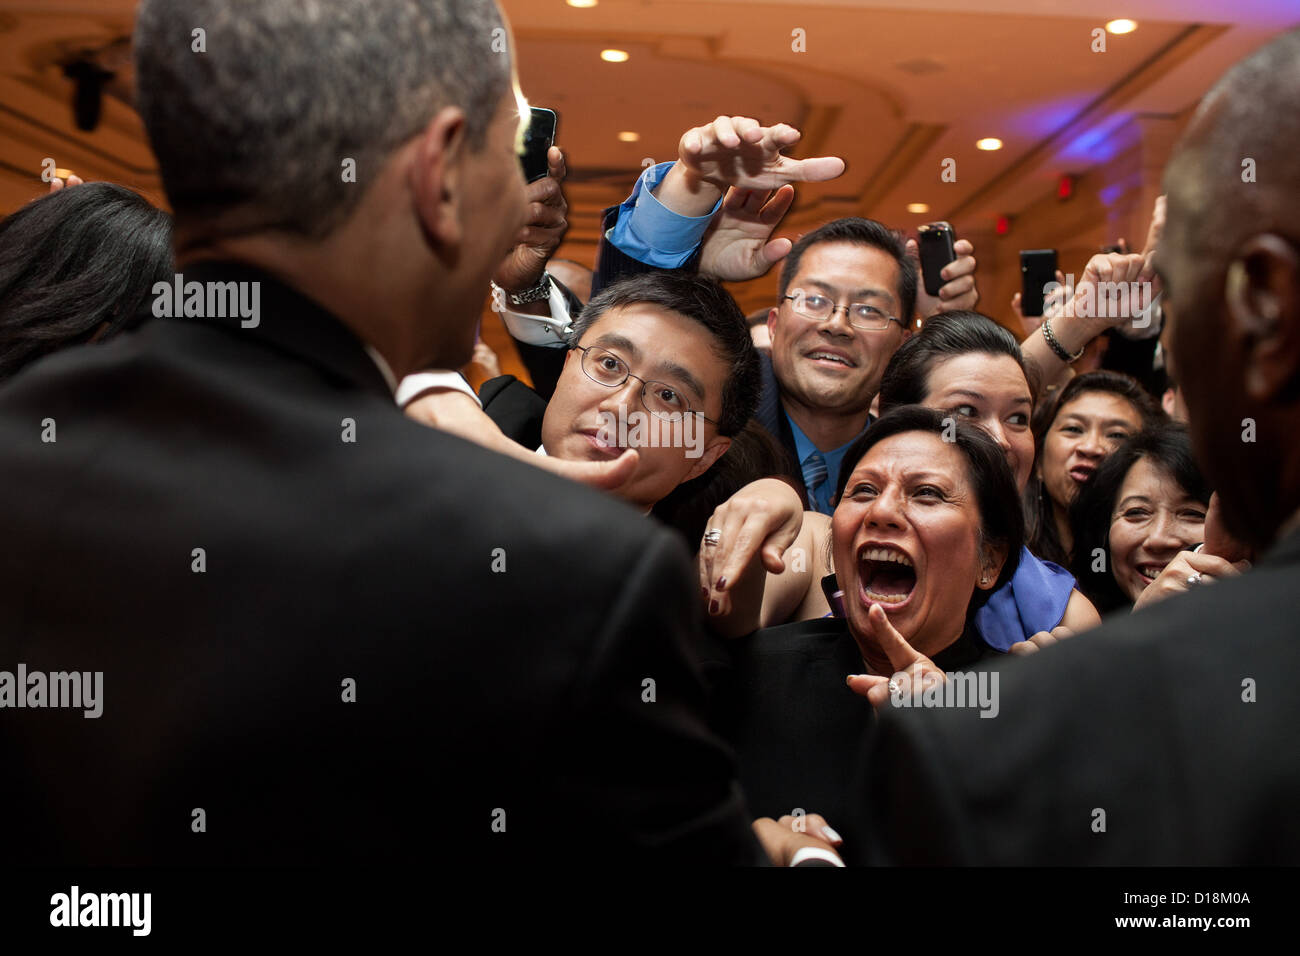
point(536, 294)
point(1055, 345)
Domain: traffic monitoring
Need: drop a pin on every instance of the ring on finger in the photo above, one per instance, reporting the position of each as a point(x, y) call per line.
point(713, 536)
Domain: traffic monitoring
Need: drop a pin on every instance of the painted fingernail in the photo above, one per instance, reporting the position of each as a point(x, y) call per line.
point(713, 606)
point(722, 584)
point(831, 836)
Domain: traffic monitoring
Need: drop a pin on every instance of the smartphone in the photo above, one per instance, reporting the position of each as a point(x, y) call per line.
point(936, 245)
point(1037, 269)
point(538, 139)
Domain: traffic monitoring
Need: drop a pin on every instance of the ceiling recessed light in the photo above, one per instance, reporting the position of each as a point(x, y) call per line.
point(581, 3)
point(1121, 26)
point(918, 207)
point(989, 142)
point(614, 56)
point(627, 136)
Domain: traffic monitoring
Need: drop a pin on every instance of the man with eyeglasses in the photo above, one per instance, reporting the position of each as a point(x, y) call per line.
point(848, 291)
point(660, 364)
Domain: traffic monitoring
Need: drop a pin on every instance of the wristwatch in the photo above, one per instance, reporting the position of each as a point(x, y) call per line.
point(536, 294)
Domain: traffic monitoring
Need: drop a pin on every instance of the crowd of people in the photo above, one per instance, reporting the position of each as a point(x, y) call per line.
point(324, 578)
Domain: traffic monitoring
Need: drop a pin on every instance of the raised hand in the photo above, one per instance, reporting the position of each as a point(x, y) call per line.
point(913, 671)
point(1100, 287)
point(541, 233)
point(738, 245)
point(736, 151)
point(958, 290)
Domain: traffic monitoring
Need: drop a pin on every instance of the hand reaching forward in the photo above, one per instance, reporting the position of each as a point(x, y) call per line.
point(913, 671)
point(736, 151)
point(455, 412)
point(1040, 640)
point(761, 520)
point(782, 839)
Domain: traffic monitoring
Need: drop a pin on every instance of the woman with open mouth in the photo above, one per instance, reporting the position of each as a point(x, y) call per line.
point(970, 368)
point(928, 524)
point(1140, 522)
point(1094, 413)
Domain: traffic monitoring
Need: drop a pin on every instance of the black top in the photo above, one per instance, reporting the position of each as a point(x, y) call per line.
point(783, 703)
point(427, 570)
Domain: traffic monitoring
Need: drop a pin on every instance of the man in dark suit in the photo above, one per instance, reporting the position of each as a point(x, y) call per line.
point(1167, 737)
point(324, 631)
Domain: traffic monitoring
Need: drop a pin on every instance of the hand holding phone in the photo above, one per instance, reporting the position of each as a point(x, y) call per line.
point(936, 249)
point(538, 140)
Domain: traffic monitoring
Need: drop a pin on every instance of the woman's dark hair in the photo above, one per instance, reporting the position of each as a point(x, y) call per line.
point(1002, 525)
point(906, 380)
point(1169, 449)
point(707, 303)
point(1044, 541)
point(74, 261)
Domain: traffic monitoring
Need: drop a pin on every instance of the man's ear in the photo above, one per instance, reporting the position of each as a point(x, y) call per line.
point(711, 454)
point(1262, 299)
point(992, 557)
point(437, 177)
point(771, 320)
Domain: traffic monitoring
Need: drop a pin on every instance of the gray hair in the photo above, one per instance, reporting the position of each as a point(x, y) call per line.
point(286, 91)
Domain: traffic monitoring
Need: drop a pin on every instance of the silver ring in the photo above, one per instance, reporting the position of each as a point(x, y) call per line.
point(893, 687)
point(1193, 579)
point(713, 536)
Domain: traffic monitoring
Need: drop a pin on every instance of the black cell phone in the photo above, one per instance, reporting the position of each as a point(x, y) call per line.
point(936, 245)
point(1037, 269)
point(539, 138)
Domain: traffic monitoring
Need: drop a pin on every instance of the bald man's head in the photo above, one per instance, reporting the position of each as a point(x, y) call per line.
point(1230, 263)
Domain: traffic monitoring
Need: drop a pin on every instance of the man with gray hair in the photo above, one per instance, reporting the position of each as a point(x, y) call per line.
point(229, 517)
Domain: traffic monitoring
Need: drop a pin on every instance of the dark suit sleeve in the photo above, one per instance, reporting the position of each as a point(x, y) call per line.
point(659, 775)
point(613, 264)
point(517, 410)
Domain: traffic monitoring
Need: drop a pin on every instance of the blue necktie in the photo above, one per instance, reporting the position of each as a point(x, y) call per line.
point(814, 473)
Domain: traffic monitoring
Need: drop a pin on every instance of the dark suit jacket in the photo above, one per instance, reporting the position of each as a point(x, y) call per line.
point(780, 698)
point(1143, 719)
point(490, 687)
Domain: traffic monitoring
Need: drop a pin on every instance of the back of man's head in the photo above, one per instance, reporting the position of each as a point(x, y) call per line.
point(1230, 260)
point(277, 114)
point(862, 232)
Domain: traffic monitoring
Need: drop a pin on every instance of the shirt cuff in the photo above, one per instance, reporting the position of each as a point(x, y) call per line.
point(545, 330)
point(650, 232)
point(413, 386)
point(803, 854)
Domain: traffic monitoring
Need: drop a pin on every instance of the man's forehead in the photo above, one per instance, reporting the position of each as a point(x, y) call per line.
point(641, 327)
point(850, 267)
